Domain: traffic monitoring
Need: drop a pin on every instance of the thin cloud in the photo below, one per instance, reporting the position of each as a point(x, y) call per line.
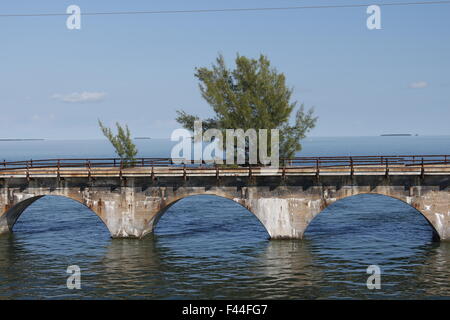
point(418, 85)
point(80, 97)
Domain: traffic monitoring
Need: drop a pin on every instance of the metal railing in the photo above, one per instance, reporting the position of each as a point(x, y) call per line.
point(84, 163)
point(297, 162)
point(363, 161)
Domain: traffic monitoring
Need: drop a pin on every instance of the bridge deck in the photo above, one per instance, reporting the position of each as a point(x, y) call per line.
point(171, 171)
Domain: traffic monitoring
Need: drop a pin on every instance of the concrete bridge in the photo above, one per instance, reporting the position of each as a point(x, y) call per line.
point(130, 201)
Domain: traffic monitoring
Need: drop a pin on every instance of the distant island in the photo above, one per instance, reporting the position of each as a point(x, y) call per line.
point(22, 139)
point(142, 138)
point(398, 135)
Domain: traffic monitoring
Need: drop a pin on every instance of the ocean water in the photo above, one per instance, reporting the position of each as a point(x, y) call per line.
point(207, 247)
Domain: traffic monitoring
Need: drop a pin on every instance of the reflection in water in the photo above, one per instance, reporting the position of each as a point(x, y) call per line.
point(130, 269)
point(289, 267)
point(432, 276)
point(209, 247)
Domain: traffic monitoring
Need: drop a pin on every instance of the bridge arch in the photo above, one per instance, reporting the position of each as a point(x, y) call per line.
point(427, 215)
point(13, 212)
point(159, 214)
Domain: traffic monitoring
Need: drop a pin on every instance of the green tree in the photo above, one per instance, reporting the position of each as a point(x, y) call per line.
point(122, 143)
point(253, 95)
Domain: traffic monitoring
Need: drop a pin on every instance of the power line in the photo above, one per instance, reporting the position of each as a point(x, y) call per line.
point(227, 9)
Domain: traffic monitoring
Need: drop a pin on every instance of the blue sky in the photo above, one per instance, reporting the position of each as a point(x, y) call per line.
point(139, 69)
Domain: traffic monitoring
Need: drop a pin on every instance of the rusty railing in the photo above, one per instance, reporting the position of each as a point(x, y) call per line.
point(316, 163)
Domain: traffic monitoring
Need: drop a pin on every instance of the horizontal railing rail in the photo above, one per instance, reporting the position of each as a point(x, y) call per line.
point(316, 163)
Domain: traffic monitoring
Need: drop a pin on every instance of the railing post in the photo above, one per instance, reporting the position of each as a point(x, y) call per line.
point(28, 172)
point(387, 167)
point(57, 173)
point(351, 167)
point(153, 172)
point(121, 166)
point(217, 171)
point(422, 173)
point(317, 168)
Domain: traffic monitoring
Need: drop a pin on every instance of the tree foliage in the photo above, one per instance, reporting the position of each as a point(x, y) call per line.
point(122, 142)
point(253, 95)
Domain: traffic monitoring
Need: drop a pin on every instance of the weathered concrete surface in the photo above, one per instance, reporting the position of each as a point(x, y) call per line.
point(131, 207)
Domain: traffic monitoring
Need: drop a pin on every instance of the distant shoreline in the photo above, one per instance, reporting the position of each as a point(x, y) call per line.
point(22, 139)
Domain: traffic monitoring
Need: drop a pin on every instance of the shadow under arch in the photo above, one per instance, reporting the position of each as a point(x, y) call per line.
point(164, 210)
point(15, 212)
point(435, 234)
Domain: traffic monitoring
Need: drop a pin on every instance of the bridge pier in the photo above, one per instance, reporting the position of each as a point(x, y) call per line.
point(285, 212)
point(122, 208)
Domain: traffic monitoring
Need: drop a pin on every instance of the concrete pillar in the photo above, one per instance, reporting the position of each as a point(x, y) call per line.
point(284, 218)
point(434, 204)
